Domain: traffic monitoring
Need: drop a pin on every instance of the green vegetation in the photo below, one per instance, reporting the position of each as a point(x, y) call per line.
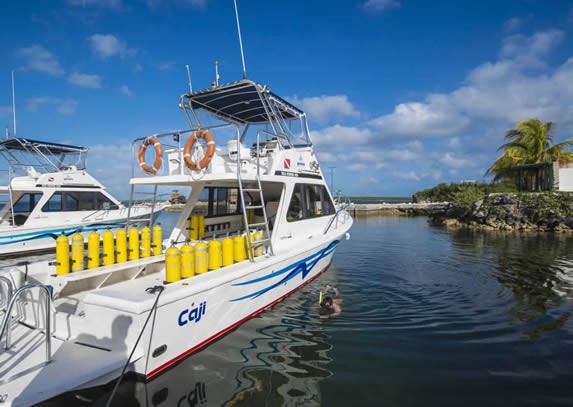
point(529, 143)
point(462, 194)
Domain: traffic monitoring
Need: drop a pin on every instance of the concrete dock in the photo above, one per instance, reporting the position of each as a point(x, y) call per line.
point(401, 209)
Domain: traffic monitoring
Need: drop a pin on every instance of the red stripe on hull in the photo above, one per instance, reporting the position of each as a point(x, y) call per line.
point(188, 352)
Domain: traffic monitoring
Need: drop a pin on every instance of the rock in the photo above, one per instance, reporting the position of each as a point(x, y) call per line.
point(548, 211)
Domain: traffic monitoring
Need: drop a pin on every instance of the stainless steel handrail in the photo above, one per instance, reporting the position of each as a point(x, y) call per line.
point(333, 219)
point(10, 288)
point(5, 328)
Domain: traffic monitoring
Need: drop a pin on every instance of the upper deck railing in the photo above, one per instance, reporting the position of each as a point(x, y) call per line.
point(25, 155)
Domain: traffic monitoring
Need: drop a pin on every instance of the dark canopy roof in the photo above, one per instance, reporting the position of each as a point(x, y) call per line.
point(242, 102)
point(24, 144)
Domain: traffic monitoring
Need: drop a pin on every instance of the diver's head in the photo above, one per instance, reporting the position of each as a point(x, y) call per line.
point(326, 302)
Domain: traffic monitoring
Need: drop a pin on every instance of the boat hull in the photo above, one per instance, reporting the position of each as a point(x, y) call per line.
point(188, 324)
point(22, 240)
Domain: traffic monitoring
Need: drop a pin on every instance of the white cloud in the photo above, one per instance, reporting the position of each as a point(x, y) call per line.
point(325, 156)
point(406, 175)
point(64, 106)
point(85, 80)
point(455, 142)
point(381, 5)
point(338, 137)
point(402, 155)
point(321, 108)
point(452, 161)
point(357, 167)
point(115, 177)
point(37, 58)
point(365, 156)
point(108, 45)
point(380, 166)
point(434, 118)
point(503, 92)
point(531, 51)
point(372, 180)
point(126, 91)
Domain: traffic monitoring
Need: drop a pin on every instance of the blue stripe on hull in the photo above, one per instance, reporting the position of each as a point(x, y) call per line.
point(54, 233)
point(302, 267)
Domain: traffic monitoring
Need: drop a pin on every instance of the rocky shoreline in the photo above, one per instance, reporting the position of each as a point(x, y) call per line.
point(538, 212)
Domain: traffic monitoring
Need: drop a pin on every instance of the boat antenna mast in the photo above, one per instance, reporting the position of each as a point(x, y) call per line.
point(189, 79)
point(217, 73)
point(240, 40)
point(14, 104)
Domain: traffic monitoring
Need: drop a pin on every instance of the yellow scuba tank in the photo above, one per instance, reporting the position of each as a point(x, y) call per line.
point(77, 251)
point(172, 265)
point(201, 258)
point(62, 255)
point(214, 254)
point(187, 261)
point(157, 239)
point(194, 228)
point(93, 250)
point(145, 242)
point(108, 249)
point(227, 249)
point(239, 248)
point(133, 244)
point(121, 245)
point(201, 226)
point(259, 248)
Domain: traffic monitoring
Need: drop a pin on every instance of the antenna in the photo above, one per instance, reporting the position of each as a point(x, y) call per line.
point(189, 79)
point(240, 40)
point(331, 178)
point(14, 104)
point(216, 73)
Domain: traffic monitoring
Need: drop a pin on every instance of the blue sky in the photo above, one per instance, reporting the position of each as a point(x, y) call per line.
point(400, 94)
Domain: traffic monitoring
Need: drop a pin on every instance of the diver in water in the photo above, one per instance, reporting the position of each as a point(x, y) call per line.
point(330, 305)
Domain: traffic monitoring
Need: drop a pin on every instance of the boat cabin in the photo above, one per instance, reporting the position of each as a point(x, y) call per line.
point(261, 172)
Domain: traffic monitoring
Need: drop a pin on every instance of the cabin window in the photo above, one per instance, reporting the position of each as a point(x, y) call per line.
point(78, 201)
point(219, 202)
point(309, 201)
point(27, 203)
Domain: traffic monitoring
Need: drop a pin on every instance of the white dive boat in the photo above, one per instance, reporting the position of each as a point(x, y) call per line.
point(50, 192)
point(146, 314)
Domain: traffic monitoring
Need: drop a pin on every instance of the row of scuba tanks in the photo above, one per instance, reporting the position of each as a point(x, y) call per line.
point(113, 250)
point(189, 260)
point(180, 263)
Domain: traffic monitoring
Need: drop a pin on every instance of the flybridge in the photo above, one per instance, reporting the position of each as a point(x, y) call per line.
point(243, 102)
point(25, 155)
point(247, 103)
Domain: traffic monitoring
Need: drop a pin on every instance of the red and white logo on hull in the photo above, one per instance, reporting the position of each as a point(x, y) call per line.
point(287, 163)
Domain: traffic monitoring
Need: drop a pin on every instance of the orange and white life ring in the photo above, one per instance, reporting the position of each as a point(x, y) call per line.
point(204, 134)
point(158, 155)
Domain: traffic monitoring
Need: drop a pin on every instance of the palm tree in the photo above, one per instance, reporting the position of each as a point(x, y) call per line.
point(529, 143)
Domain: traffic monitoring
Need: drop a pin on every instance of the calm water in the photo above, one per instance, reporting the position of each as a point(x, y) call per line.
point(430, 317)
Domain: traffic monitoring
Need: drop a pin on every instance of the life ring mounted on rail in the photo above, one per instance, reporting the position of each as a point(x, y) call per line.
point(158, 155)
point(208, 137)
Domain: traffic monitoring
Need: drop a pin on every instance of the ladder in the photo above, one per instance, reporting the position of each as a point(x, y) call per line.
point(132, 198)
point(266, 240)
point(5, 326)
